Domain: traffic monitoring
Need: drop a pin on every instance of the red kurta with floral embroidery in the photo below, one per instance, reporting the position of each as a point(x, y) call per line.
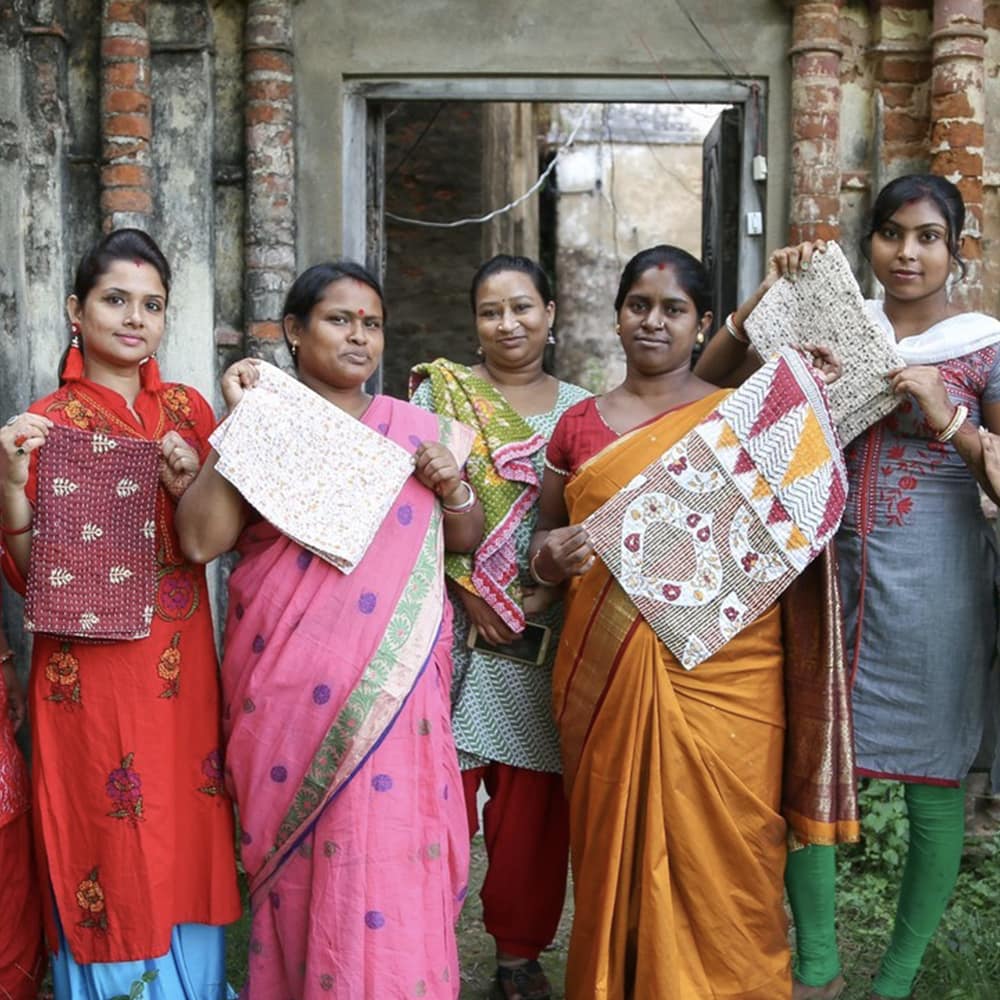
point(133, 826)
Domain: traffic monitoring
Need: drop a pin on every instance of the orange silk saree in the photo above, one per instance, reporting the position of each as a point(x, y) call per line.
point(675, 778)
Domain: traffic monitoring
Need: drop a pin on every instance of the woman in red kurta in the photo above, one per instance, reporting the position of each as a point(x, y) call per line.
point(134, 830)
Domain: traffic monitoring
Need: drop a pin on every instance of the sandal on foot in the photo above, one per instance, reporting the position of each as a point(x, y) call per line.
point(828, 991)
point(526, 981)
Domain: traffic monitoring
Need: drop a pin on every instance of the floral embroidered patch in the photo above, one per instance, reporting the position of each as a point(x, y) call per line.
point(168, 668)
point(62, 671)
point(90, 899)
point(124, 788)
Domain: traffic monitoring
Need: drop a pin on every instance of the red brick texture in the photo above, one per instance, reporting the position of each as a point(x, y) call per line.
point(126, 115)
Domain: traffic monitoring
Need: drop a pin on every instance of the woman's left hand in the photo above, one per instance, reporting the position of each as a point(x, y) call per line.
point(179, 464)
point(825, 361)
point(436, 468)
point(923, 383)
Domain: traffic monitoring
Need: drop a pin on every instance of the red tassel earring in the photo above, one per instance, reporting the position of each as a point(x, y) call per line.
point(73, 365)
point(149, 374)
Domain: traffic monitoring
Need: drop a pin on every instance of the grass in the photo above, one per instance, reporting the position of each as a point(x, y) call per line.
point(962, 962)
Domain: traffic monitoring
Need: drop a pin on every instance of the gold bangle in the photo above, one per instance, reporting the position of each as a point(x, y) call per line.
point(536, 576)
point(958, 418)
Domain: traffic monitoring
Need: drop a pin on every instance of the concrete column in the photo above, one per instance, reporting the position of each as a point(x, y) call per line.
point(510, 167)
point(816, 52)
point(126, 116)
point(180, 33)
point(958, 123)
point(270, 171)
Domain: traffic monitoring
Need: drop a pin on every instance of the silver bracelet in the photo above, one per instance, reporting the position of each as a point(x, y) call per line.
point(735, 332)
point(466, 505)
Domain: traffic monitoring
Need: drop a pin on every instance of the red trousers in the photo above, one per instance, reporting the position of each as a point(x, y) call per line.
point(22, 954)
point(526, 829)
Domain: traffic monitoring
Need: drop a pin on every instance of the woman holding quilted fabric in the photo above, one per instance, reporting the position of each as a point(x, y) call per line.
point(338, 743)
point(920, 641)
point(133, 829)
point(679, 781)
point(501, 710)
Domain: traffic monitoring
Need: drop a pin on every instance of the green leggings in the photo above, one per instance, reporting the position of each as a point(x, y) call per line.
point(937, 832)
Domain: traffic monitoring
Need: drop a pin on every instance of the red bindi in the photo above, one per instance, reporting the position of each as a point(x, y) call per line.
point(361, 312)
point(138, 262)
point(661, 267)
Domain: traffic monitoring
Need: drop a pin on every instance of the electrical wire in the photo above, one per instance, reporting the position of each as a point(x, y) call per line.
point(720, 58)
point(480, 220)
point(420, 138)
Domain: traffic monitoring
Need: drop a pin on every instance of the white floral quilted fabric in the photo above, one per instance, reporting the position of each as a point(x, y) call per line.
point(824, 306)
point(314, 472)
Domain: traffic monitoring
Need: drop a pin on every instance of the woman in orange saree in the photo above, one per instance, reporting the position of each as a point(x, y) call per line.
point(682, 784)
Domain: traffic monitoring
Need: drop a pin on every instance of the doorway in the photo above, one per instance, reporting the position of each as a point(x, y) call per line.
point(614, 166)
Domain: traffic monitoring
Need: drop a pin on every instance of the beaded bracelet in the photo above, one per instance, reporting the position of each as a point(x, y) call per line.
point(466, 505)
point(958, 418)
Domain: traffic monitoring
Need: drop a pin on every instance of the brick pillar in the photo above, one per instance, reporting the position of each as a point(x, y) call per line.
point(815, 155)
point(269, 247)
point(126, 116)
point(957, 123)
point(902, 67)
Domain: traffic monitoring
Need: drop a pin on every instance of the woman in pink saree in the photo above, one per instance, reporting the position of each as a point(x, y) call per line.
point(339, 750)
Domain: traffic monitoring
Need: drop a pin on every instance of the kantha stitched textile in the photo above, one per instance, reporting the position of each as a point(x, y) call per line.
point(93, 550)
point(707, 537)
point(328, 489)
point(824, 306)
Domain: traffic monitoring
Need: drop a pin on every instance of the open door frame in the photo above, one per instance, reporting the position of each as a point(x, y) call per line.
point(363, 236)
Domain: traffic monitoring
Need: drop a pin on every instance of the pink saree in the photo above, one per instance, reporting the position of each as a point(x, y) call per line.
point(340, 754)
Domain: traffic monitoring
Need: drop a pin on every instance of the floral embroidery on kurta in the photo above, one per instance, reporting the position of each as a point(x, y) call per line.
point(62, 671)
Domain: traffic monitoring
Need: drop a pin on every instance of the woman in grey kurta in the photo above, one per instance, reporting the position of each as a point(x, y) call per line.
point(501, 713)
point(917, 569)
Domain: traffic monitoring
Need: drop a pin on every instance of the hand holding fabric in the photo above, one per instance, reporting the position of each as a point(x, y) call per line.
point(179, 464)
point(436, 468)
point(566, 550)
point(923, 383)
point(237, 378)
point(24, 434)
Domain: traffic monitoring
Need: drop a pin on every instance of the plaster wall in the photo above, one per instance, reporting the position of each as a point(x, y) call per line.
point(337, 41)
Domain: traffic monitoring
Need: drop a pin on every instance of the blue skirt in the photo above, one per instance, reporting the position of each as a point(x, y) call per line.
point(193, 969)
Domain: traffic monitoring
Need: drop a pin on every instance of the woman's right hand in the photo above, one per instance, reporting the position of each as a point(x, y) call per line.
point(18, 439)
point(237, 378)
point(785, 262)
point(565, 552)
point(489, 624)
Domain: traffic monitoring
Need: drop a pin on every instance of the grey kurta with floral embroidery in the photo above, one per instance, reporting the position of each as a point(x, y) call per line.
point(502, 709)
point(917, 567)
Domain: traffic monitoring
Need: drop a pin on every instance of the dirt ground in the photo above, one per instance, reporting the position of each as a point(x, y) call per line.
point(475, 946)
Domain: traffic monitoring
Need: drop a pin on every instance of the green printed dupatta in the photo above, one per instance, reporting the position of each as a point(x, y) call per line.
point(319, 665)
point(500, 471)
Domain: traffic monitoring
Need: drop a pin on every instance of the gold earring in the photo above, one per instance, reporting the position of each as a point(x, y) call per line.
point(618, 329)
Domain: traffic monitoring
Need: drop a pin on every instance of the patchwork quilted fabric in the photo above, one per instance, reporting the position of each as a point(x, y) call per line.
point(706, 538)
point(824, 306)
point(328, 488)
point(93, 550)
